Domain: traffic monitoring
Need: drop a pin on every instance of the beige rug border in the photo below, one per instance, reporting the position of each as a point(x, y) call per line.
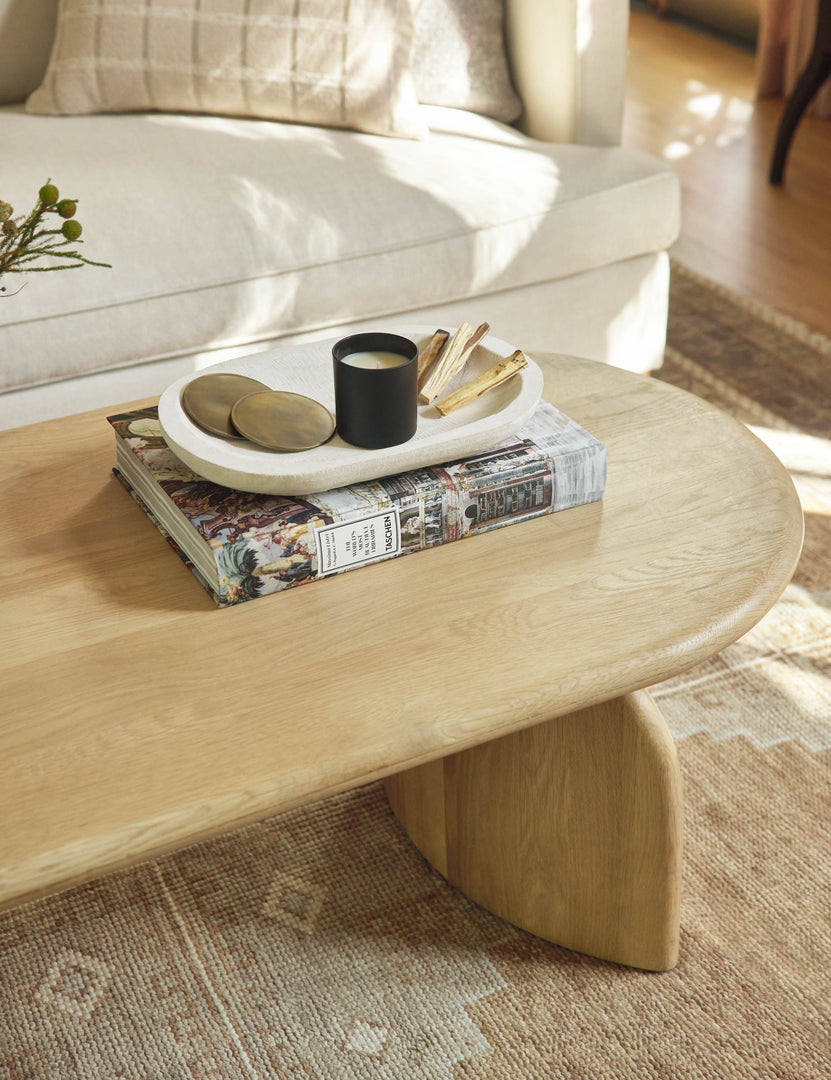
point(772, 316)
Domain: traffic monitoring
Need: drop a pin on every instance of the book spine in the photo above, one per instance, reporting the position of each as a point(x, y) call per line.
point(206, 585)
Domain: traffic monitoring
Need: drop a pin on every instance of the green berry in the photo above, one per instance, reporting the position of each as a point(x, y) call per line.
point(9, 228)
point(66, 208)
point(49, 194)
point(6, 211)
point(71, 229)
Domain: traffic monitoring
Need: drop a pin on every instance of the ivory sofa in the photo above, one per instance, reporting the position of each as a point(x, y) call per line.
point(229, 231)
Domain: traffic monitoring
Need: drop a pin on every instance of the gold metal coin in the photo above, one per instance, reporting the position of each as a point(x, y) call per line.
point(281, 420)
point(208, 400)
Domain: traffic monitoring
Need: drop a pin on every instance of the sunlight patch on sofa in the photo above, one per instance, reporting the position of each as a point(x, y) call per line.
point(631, 334)
point(263, 309)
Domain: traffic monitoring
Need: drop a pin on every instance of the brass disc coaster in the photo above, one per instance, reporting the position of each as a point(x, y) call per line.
point(208, 400)
point(280, 420)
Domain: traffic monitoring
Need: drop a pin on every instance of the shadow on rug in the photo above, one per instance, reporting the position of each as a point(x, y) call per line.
point(319, 944)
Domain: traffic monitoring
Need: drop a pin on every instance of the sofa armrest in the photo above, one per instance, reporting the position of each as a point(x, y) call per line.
point(27, 28)
point(568, 62)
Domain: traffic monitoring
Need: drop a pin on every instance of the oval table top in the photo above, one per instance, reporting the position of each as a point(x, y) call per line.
point(137, 716)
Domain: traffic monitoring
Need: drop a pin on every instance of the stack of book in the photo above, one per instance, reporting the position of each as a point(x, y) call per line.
point(242, 545)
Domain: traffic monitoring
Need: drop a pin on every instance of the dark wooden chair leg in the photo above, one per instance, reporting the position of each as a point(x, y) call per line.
point(816, 72)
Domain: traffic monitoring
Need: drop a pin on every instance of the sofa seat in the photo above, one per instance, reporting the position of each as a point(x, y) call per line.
point(227, 233)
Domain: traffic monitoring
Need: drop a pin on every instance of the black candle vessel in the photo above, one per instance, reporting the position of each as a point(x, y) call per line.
point(375, 389)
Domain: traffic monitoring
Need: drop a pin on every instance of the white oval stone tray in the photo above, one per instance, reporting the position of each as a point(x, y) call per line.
point(307, 369)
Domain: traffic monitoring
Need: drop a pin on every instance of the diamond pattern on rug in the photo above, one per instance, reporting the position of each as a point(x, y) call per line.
point(391, 953)
point(153, 1018)
point(76, 983)
point(364, 1037)
point(294, 902)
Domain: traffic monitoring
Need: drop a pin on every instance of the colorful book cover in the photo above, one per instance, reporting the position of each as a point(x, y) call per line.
point(242, 545)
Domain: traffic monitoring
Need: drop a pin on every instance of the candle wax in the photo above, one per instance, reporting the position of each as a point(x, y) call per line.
point(376, 359)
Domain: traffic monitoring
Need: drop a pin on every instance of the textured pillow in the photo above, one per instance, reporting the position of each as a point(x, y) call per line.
point(341, 63)
point(459, 57)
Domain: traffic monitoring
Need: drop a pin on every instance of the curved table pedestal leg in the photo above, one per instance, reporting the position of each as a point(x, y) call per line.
point(571, 829)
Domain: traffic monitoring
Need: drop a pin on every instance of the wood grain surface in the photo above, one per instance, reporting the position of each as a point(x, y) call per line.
point(136, 716)
point(572, 829)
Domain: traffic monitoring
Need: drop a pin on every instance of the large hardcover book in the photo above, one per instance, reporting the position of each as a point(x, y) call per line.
point(242, 545)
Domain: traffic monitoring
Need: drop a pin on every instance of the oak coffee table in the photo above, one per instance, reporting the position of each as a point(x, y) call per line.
point(496, 683)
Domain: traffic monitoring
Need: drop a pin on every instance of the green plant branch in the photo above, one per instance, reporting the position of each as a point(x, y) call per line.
point(25, 240)
point(48, 269)
point(52, 249)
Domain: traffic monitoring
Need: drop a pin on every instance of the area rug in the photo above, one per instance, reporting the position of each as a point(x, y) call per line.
point(319, 944)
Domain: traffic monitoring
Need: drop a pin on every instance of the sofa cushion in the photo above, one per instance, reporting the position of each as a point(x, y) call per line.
point(311, 61)
point(229, 232)
point(459, 57)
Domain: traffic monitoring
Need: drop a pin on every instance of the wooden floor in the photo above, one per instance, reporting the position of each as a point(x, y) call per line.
point(690, 101)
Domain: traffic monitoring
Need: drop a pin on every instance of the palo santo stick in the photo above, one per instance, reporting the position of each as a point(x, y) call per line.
point(499, 373)
point(452, 360)
point(428, 354)
point(476, 337)
point(447, 362)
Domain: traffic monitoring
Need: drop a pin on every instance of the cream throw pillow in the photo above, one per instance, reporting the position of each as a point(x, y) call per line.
point(341, 63)
point(459, 57)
